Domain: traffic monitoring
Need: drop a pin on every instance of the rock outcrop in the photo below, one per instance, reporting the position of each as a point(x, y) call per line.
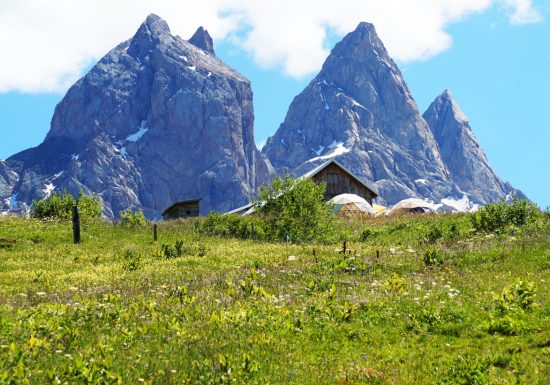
point(157, 120)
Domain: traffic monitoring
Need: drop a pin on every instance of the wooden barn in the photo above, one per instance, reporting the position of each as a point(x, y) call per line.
point(339, 180)
point(182, 209)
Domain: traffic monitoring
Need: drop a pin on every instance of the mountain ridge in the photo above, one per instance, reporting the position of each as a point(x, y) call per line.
point(359, 110)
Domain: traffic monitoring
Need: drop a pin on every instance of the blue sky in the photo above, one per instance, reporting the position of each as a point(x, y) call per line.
point(498, 71)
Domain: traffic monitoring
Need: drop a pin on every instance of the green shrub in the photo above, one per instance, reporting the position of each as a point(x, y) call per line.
point(508, 325)
point(132, 259)
point(521, 294)
point(179, 249)
point(466, 370)
point(295, 210)
point(59, 206)
point(232, 226)
point(132, 218)
point(367, 233)
point(433, 257)
point(497, 216)
point(434, 233)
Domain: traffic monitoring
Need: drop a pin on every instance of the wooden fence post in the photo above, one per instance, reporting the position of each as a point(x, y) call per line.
point(155, 232)
point(76, 225)
point(252, 229)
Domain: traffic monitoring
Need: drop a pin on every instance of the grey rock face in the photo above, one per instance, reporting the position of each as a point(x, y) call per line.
point(201, 39)
point(154, 121)
point(360, 110)
point(467, 163)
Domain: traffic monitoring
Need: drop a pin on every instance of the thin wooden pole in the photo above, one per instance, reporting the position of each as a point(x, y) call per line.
point(76, 225)
point(155, 237)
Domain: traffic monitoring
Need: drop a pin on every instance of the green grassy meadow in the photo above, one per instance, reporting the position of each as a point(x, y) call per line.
point(440, 304)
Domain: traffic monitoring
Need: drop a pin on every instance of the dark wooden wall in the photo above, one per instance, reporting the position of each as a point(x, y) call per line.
point(340, 182)
point(182, 210)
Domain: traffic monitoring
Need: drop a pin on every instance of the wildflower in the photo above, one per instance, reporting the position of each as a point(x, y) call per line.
point(291, 258)
point(40, 293)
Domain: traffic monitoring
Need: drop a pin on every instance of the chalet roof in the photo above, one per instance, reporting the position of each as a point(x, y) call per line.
point(321, 167)
point(180, 203)
point(248, 208)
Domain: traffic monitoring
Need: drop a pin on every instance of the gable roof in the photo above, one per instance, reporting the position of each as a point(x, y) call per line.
point(321, 167)
point(180, 203)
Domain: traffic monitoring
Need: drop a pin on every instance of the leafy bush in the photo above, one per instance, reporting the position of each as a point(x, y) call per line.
point(507, 325)
point(510, 306)
point(497, 216)
point(232, 226)
point(434, 233)
point(394, 284)
point(367, 233)
point(288, 209)
point(433, 257)
point(132, 218)
point(466, 370)
point(521, 294)
point(295, 209)
point(60, 205)
point(132, 259)
point(179, 249)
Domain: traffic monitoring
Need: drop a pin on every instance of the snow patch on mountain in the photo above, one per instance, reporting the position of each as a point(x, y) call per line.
point(137, 135)
point(48, 189)
point(337, 149)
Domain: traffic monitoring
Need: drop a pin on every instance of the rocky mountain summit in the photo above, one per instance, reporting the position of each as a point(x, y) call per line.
point(157, 120)
point(359, 110)
point(466, 162)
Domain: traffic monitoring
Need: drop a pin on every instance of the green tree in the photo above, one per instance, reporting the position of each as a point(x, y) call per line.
point(59, 206)
point(132, 218)
point(295, 209)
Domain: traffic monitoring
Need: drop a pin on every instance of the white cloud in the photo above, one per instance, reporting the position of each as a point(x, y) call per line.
point(46, 44)
point(522, 12)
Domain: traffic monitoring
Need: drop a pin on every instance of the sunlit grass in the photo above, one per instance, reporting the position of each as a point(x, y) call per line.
point(113, 308)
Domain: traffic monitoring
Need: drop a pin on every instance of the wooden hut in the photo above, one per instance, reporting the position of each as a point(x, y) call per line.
point(182, 209)
point(339, 180)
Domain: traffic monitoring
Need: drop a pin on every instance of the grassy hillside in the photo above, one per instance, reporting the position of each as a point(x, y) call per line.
point(440, 304)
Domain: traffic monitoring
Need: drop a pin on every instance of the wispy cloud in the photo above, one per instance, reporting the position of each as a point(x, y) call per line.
point(522, 12)
point(47, 44)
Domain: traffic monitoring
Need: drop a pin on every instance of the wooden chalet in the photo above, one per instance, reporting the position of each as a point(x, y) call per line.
point(182, 209)
point(339, 180)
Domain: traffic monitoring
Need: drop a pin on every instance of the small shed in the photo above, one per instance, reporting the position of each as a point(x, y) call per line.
point(182, 209)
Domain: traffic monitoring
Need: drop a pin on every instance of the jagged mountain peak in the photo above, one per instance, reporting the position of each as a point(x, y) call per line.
point(361, 44)
point(202, 39)
point(466, 162)
point(147, 36)
point(445, 103)
point(155, 24)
